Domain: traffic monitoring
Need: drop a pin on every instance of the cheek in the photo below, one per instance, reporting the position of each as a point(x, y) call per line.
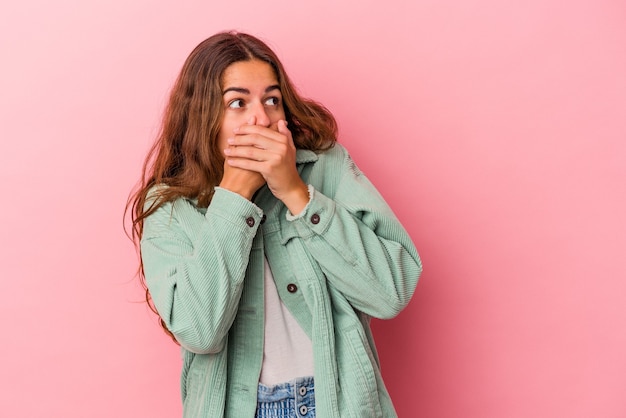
point(279, 114)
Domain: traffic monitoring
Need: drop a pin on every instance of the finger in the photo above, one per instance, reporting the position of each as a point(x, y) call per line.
point(263, 140)
point(282, 129)
point(271, 131)
point(247, 152)
point(262, 137)
point(246, 164)
point(250, 140)
point(274, 125)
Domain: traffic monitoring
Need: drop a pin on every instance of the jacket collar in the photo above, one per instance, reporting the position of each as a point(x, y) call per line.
point(305, 156)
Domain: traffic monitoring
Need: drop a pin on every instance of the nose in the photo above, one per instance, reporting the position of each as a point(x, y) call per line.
point(261, 116)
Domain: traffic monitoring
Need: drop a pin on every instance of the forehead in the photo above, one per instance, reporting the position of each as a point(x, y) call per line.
point(248, 73)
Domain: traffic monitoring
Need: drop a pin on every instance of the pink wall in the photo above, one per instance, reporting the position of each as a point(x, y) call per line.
point(496, 130)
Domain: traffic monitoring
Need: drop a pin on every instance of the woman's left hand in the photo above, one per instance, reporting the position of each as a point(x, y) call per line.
point(271, 152)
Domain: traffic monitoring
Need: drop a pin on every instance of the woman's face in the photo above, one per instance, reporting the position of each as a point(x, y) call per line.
point(251, 95)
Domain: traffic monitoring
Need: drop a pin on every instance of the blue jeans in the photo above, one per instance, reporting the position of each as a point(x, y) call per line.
point(295, 399)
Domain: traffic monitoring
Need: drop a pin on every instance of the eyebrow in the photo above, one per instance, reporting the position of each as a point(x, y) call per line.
point(246, 91)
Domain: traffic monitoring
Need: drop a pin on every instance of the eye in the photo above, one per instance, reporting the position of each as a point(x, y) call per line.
point(272, 101)
point(235, 104)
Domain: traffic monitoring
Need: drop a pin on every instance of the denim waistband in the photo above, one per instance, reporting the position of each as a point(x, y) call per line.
point(294, 399)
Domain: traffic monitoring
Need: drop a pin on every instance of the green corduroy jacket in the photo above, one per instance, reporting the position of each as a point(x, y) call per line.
point(346, 253)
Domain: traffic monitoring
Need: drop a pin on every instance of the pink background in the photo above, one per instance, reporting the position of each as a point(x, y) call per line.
point(495, 129)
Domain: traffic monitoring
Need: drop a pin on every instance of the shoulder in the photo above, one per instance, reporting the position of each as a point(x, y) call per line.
point(332, 159)
point(336, 152)
point(158, 195)
point(338, 162)
point(332, 170)
point(165, 210)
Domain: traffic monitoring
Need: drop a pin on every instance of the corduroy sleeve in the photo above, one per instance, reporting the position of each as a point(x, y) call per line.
point(359, 243)
point(195, 265)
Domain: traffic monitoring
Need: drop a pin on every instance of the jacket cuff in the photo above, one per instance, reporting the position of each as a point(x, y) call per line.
point(303, 212)
point(316, 217)
point(235, 209)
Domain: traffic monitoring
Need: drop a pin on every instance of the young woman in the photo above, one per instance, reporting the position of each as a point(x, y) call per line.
point(264, 249)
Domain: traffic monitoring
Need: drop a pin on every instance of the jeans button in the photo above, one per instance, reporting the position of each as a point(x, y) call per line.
point(302, 390)
point(303, 410)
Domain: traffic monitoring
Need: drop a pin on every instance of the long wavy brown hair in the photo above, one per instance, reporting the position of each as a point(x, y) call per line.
point(185, 155)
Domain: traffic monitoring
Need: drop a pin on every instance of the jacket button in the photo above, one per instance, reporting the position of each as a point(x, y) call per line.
point(250, 221)
point(315, 219)
point(263, 219)
point(292, 288)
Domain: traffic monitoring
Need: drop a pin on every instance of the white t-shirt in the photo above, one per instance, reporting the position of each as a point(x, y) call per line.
point(288, 351)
